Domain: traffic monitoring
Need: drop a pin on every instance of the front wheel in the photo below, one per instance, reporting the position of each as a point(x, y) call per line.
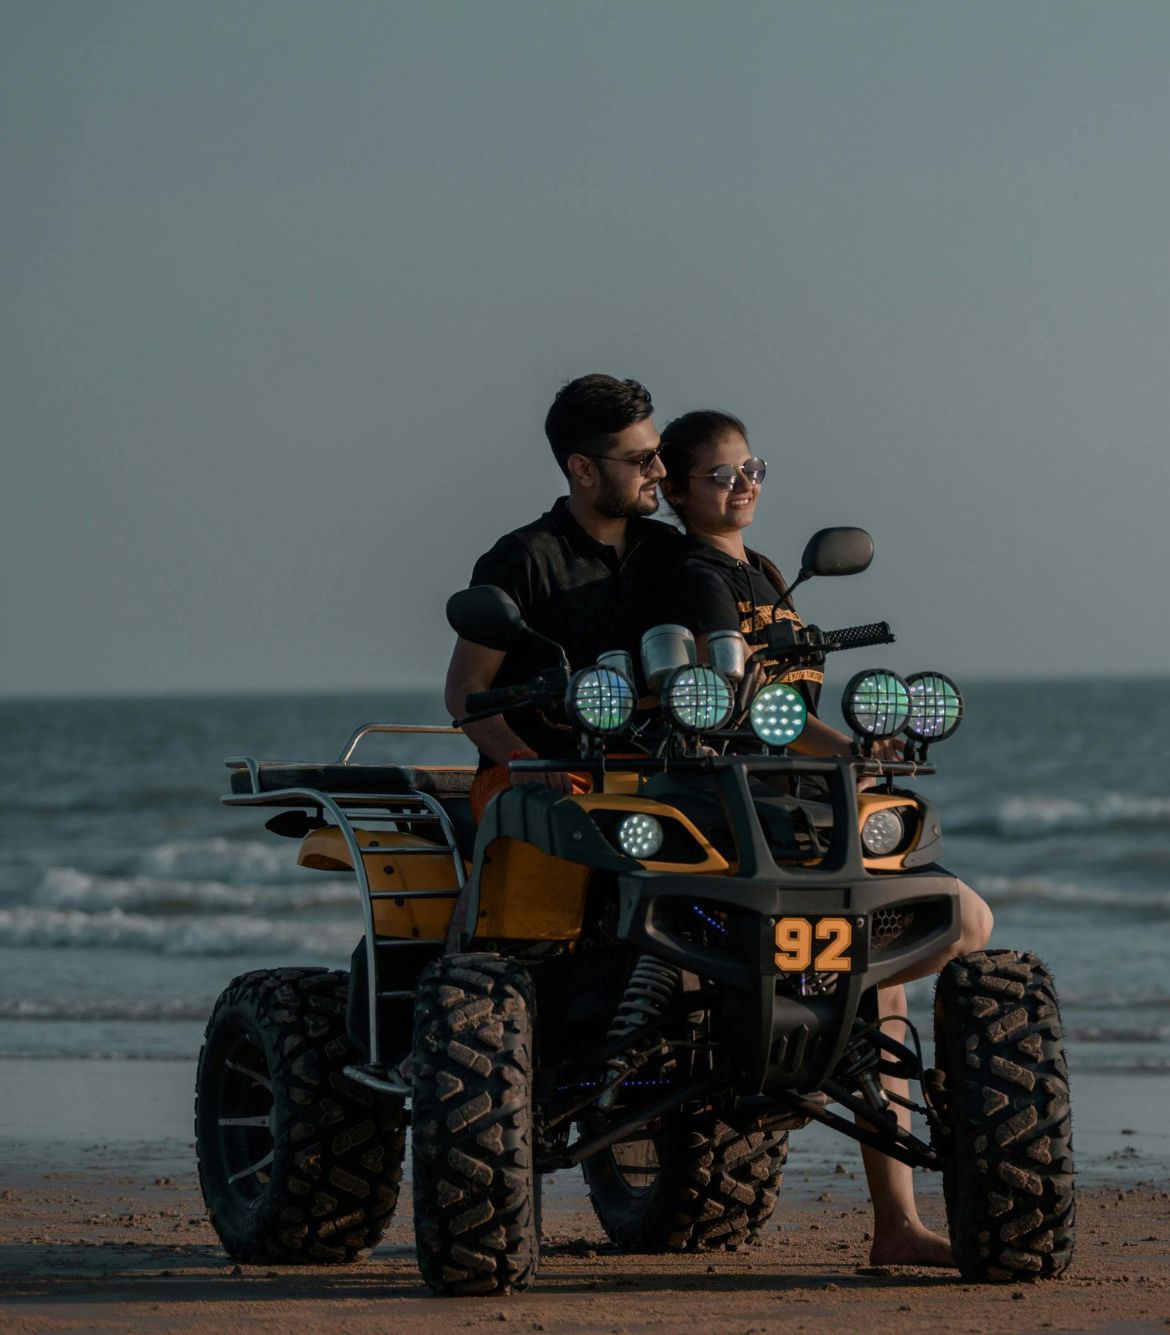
point(1005, 1134)
point(476, 1203)
point(298, 1165)
point(695, 1183)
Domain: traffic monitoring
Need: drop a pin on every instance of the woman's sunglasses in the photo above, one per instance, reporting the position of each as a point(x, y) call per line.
point(753, 470)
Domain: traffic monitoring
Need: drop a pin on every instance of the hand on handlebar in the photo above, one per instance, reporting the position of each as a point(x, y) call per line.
point(890, 748)
point(560, 781)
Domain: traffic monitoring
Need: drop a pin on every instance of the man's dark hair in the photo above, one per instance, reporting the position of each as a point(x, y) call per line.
point(683, 440)
point(589, 411)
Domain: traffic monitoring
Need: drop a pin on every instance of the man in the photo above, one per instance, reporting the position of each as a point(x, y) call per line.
point(583, 574)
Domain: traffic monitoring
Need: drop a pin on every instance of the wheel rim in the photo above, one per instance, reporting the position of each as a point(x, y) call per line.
point(636, 1166)
point(244, 1124)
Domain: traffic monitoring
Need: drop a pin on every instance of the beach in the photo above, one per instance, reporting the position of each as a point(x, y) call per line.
point(102, 1228)
point(129, 897)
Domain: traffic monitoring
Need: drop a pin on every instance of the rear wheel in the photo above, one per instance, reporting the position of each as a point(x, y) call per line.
point(298, 1164)
point(1006, 1135)
point(696, 1183)
point(476, 1202)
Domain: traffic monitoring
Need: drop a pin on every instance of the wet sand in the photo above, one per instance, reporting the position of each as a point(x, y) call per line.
point(110, 1234)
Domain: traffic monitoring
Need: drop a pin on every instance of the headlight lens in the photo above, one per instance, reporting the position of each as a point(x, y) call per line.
point(876, 704)
point(639, 835)
point(882, 832)
point(600, 699)
point(778, 714)
point(698, 698)
point(936, 706)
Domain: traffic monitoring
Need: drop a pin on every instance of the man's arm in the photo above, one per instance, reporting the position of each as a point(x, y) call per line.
point(473, 667)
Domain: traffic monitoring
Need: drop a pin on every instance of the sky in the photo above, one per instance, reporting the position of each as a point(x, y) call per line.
point(286, 289)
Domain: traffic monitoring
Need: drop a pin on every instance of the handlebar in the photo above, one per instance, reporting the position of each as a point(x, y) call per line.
point(497, 698)
point(858, 637)
point(549, 685)
point(552, 683)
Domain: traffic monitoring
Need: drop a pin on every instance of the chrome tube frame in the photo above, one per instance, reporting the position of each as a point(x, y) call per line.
point(381, 808)
point(367, 729)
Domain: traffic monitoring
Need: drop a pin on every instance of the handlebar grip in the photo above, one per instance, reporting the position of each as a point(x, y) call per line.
point(496, 697)
point(858, 637)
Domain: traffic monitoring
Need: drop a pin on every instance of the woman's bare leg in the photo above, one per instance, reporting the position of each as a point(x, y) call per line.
point(975, 924)
point(899, 1236)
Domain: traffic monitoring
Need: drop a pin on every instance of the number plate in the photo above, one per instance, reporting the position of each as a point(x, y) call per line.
point(816, 945)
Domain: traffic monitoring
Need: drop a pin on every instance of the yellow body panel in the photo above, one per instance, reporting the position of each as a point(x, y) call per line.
point(326, 850)
point(526, 895)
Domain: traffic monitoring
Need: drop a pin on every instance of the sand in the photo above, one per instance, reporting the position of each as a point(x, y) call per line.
point(110, 1234)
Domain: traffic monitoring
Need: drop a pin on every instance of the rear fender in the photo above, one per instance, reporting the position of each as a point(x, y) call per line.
point(325, 850)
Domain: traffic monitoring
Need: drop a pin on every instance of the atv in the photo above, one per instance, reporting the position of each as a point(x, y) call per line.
point(656, 980)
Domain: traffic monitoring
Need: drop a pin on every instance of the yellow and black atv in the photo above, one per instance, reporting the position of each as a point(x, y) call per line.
point(657, 980)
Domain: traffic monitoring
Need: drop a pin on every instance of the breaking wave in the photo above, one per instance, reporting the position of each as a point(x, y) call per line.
point(1027, 817)
point(69, 888)
point(223, 935)
point(156, 1010)
point(1037, 889)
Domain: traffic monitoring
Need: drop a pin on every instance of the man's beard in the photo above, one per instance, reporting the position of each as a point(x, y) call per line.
point(613, 505)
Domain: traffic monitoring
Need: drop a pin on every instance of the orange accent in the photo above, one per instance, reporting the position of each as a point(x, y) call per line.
point(840, 932)
point(867, 804)
point(492, 781)
point(712, 862)
point(793, 944)
point(326, 850)
point(526, 895)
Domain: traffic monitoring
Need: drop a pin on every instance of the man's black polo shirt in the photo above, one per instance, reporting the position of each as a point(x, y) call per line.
point(576, 591)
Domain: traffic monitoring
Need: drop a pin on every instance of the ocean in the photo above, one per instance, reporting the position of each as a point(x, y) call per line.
point(129, 896)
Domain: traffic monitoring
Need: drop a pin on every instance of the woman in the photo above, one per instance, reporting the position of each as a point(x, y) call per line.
point(713, 483)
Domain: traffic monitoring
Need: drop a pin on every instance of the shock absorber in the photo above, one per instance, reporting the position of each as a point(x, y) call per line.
point(858, 1067)
point(651, 988)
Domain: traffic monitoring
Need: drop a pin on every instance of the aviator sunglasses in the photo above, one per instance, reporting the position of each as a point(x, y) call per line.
point(645, 461)
point(753, 470)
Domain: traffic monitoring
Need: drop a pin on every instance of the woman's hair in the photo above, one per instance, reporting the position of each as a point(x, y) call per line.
point(683, 441)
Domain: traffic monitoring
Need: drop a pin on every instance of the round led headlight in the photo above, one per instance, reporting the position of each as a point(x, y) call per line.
point(936, 707)
point(882, 832)
point(698, 698)
point(639, 835)
point(600, 699)
point(876, 704)
point(778, 714)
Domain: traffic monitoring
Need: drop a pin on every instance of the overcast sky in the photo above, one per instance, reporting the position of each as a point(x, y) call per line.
point(286, 288)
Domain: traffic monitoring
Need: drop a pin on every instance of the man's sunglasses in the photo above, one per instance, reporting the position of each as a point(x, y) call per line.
point(754, 471)
point(645, 461)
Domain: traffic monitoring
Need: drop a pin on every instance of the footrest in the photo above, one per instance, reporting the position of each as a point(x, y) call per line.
point(386, 1080)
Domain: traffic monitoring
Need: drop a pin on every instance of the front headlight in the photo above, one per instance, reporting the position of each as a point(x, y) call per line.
point(640, 836)
point(876, 704)
point(778, 714)
point(600, 700)
point(882, 832)
point(936, 707)
point(699, 699)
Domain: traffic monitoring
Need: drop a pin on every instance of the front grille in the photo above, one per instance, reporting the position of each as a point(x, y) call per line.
point(888, 924)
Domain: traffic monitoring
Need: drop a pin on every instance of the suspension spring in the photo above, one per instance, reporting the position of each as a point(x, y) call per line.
point(651, 989)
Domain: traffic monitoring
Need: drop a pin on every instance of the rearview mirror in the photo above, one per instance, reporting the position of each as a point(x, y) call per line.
point(837, 551)
point(485, 615)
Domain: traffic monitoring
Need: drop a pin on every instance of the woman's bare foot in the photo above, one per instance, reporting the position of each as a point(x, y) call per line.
point(910, 1243)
